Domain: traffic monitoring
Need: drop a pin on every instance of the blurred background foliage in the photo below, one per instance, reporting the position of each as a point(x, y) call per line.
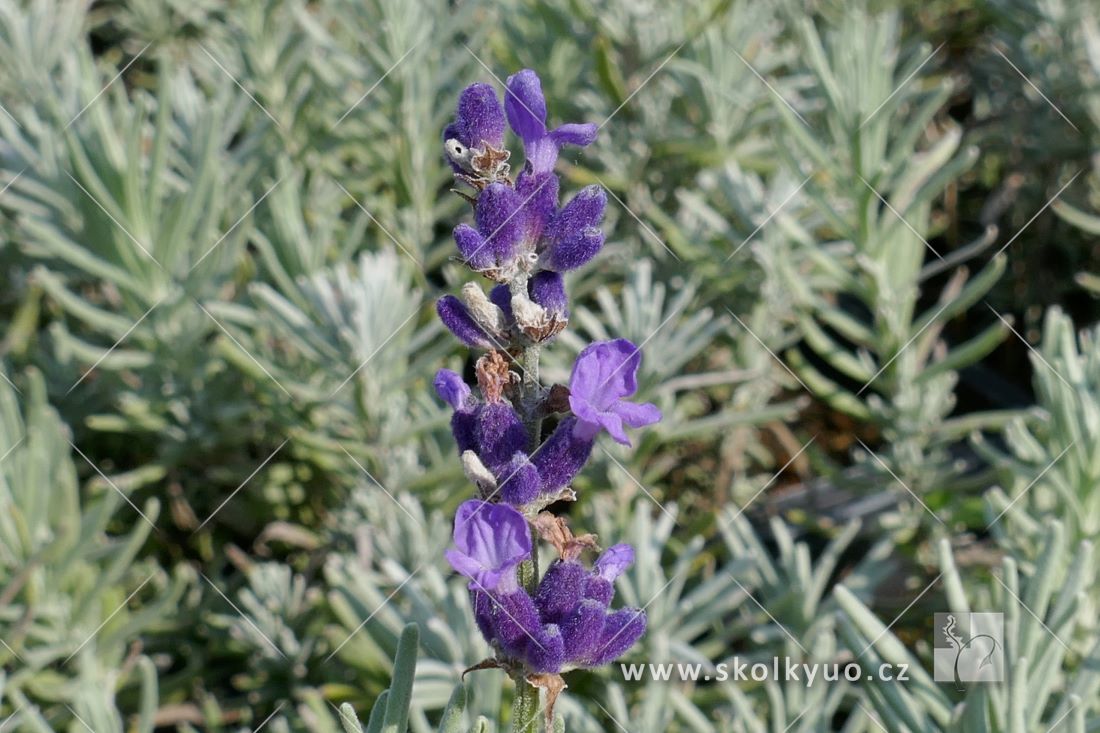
point(858, 241)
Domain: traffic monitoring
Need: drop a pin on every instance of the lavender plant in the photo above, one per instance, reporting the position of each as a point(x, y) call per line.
point(524, 242)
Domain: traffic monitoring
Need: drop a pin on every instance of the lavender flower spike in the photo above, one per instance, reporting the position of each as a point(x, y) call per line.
point(605, 373)
point(524, 241)
point(526, 109)
point(491, 540)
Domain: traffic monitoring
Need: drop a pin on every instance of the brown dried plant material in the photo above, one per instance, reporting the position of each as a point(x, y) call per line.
point(557, 399)
point(493, 375)
point(553, 684)
point(490, 163)
point(490, 663)
point(555, 530)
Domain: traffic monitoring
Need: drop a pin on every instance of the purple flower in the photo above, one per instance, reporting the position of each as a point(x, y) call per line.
point(563, 626)
point(517, 480)
point(621, 629)
point(548, 290)
point(605, 373)
point(573, 234)
point(456, 393)
point(451, 389)
point(538, 192)
point(479, 120)
point(510, 221)
point(515, 622)
point(456, 317)
point(491, 541)
point(500, 221)
point(561, 589)
point(581, 632)
point(614, 561)
point(499, 433)
point(575, 600)
point(546, 651)
point(519, 235)
point(562, 456)
point(525, 107)
point(474, 249)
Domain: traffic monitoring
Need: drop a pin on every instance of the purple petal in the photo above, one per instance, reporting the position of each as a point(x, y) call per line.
point(546, 652)
point(490, 541)
point(638, 415)
point(585, 381)
point(604, 372)
point(499, 220)
point(614, 561)
point(613, 424)
point(525, 105)
point(575, 133)
point(582, 631)
point(479, 118)
point(472, 247)
point(561, 457)
point(471, 567)
point(541, 154)
point(560, 590)
point(548, 290)
point(454, 315)
point(499, 434)
point(451, 389)
point(518, 480)
point(620, 631)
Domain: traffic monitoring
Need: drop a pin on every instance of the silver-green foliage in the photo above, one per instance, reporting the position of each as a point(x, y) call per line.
point(68, 580)
point(873, 166)
point(1051, 648)
point(1050, 466)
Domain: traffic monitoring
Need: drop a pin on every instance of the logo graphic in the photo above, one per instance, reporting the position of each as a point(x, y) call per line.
point(968, 647)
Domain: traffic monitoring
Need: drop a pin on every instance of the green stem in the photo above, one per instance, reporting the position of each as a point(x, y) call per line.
point(525, 708)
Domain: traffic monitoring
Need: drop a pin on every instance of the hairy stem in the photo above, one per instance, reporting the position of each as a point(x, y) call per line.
point(531, 392)
point(525, 708)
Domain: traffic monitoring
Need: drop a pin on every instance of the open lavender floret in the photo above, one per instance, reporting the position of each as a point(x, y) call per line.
point(568, 623)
